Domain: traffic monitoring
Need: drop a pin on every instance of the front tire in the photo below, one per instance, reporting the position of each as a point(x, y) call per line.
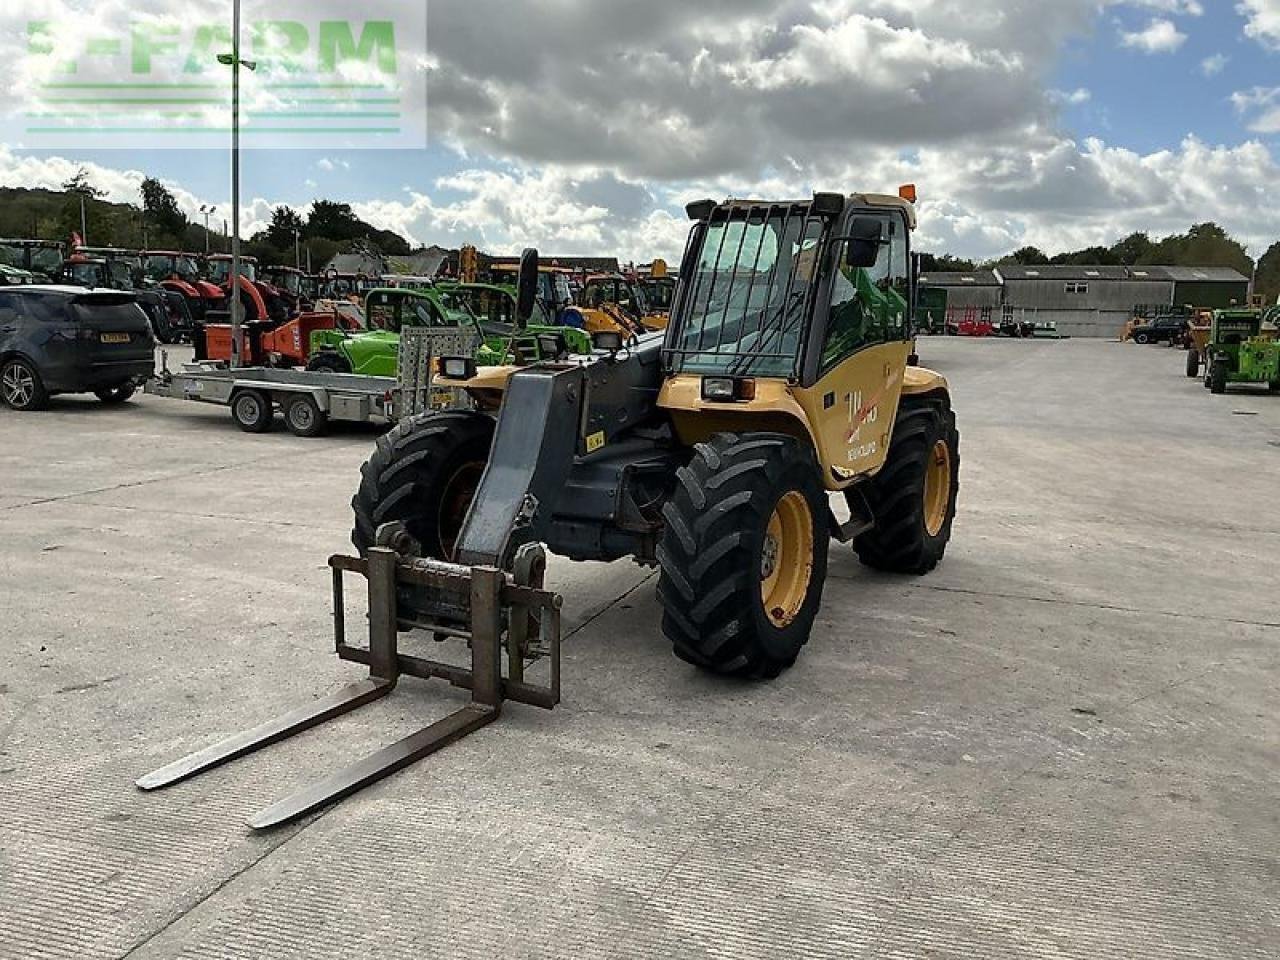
point(424, 474)
point(21, 386)
point(114, 396)
point(913, 498)
point(744, 555)
point(1218, 377)
point(1193, 364)
point(1142, 338)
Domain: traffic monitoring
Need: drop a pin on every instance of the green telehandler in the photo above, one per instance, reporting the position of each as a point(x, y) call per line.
point(375, 351)
point(1243, 348)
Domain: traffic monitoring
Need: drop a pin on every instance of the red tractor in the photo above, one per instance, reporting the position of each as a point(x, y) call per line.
point(262, 302)
point(180, 272)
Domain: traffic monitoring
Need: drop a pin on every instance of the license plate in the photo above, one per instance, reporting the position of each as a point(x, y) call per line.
point(115, 338)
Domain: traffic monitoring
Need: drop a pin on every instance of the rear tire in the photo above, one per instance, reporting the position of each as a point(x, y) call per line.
point(424, 474)
point(744, 555)
point(21, 387)
point(1193, 364)
point(913, 498)
point(1218, 377)
point(303, 417)
point(252, 411)
point(114, 396)
point(329, 362)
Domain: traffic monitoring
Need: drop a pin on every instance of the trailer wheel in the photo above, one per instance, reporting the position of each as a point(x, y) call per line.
point(303, 416)
point(1218, 377)
point(252, 411)
point(913, 499)
point(743, 555)
point(21, 386)
point(1193, 363)
point(424, 474)
point(114, 396)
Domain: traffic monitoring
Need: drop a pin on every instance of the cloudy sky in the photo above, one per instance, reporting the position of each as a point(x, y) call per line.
point(582, 126)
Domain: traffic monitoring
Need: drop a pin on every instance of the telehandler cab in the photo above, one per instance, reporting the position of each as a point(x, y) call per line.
point(709, 451)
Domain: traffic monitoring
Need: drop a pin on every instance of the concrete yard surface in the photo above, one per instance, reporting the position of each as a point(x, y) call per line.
point(1064, 743)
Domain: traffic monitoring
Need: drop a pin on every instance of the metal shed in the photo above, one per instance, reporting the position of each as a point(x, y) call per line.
point(977, 288)
point(1082, 301)
point(1206, 288)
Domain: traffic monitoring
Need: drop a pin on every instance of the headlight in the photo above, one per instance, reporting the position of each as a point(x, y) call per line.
point(727, 389)
point(458, 368)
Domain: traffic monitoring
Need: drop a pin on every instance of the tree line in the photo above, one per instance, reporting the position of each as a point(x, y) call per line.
point(157, 222)
point(1203, 245)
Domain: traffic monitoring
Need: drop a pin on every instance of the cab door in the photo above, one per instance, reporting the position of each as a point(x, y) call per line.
point(852, 406)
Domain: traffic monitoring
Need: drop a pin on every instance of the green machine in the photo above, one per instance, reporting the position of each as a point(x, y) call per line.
point(376, 350)
point(1244, 347)
point(931, 310)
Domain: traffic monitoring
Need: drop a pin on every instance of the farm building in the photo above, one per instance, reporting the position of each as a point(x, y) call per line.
point(1082, 301)
point(1087, 301)
point(1208, 288)
point(978, 288)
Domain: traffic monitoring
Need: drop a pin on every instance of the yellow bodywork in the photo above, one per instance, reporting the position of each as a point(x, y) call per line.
point(610, 317)
point(848, 415)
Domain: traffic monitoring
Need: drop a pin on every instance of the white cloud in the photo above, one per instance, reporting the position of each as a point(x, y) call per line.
point(1159, 36)
point(1072, 98)
point(1182, 8)
point(1261, 105)
point(1262, 21)
point(1214, 65)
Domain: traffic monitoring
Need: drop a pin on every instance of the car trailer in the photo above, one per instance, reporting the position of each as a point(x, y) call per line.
point(309, 400)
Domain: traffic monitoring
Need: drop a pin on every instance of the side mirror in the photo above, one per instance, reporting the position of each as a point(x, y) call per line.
point(865, 240)
point(527, 288)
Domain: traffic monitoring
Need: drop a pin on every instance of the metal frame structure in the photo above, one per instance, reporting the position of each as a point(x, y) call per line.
point(502, 611)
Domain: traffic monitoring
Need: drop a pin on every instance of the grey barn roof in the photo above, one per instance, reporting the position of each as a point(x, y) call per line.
point(1062, 272)
point(970, 278)
point(1200, 274)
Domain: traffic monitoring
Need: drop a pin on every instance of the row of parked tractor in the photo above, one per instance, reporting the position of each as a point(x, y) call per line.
point(302, 328)
point(1239, 346)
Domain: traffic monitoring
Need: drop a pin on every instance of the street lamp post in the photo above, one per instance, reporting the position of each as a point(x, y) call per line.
point(208, 212)
point(297, 249)
point(233, 61)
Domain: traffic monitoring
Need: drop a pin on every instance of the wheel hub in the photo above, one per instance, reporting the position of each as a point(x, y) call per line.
point(18, 386)
point(786, 559)
point(937, 488)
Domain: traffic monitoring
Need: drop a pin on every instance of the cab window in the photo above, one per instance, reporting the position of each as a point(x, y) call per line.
point(869, 304)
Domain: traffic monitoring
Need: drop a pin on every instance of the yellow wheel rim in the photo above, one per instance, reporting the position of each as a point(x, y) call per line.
point(937, 488)
point(786, 562)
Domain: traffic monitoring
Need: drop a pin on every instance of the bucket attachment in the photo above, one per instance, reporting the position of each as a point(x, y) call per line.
point(497, 609)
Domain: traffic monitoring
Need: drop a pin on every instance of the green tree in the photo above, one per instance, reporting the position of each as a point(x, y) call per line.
point(334, 221)
point(1089, 256)
point(285, 223)
point(943, 263)
point(161, 210)
point(1026, 257)
point(81, 212)
point(1268, 285)
point(1132, 250)
point(1204, 245)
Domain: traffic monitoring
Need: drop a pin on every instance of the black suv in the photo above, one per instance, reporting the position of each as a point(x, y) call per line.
point(1172, 329)
point(67, 340)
